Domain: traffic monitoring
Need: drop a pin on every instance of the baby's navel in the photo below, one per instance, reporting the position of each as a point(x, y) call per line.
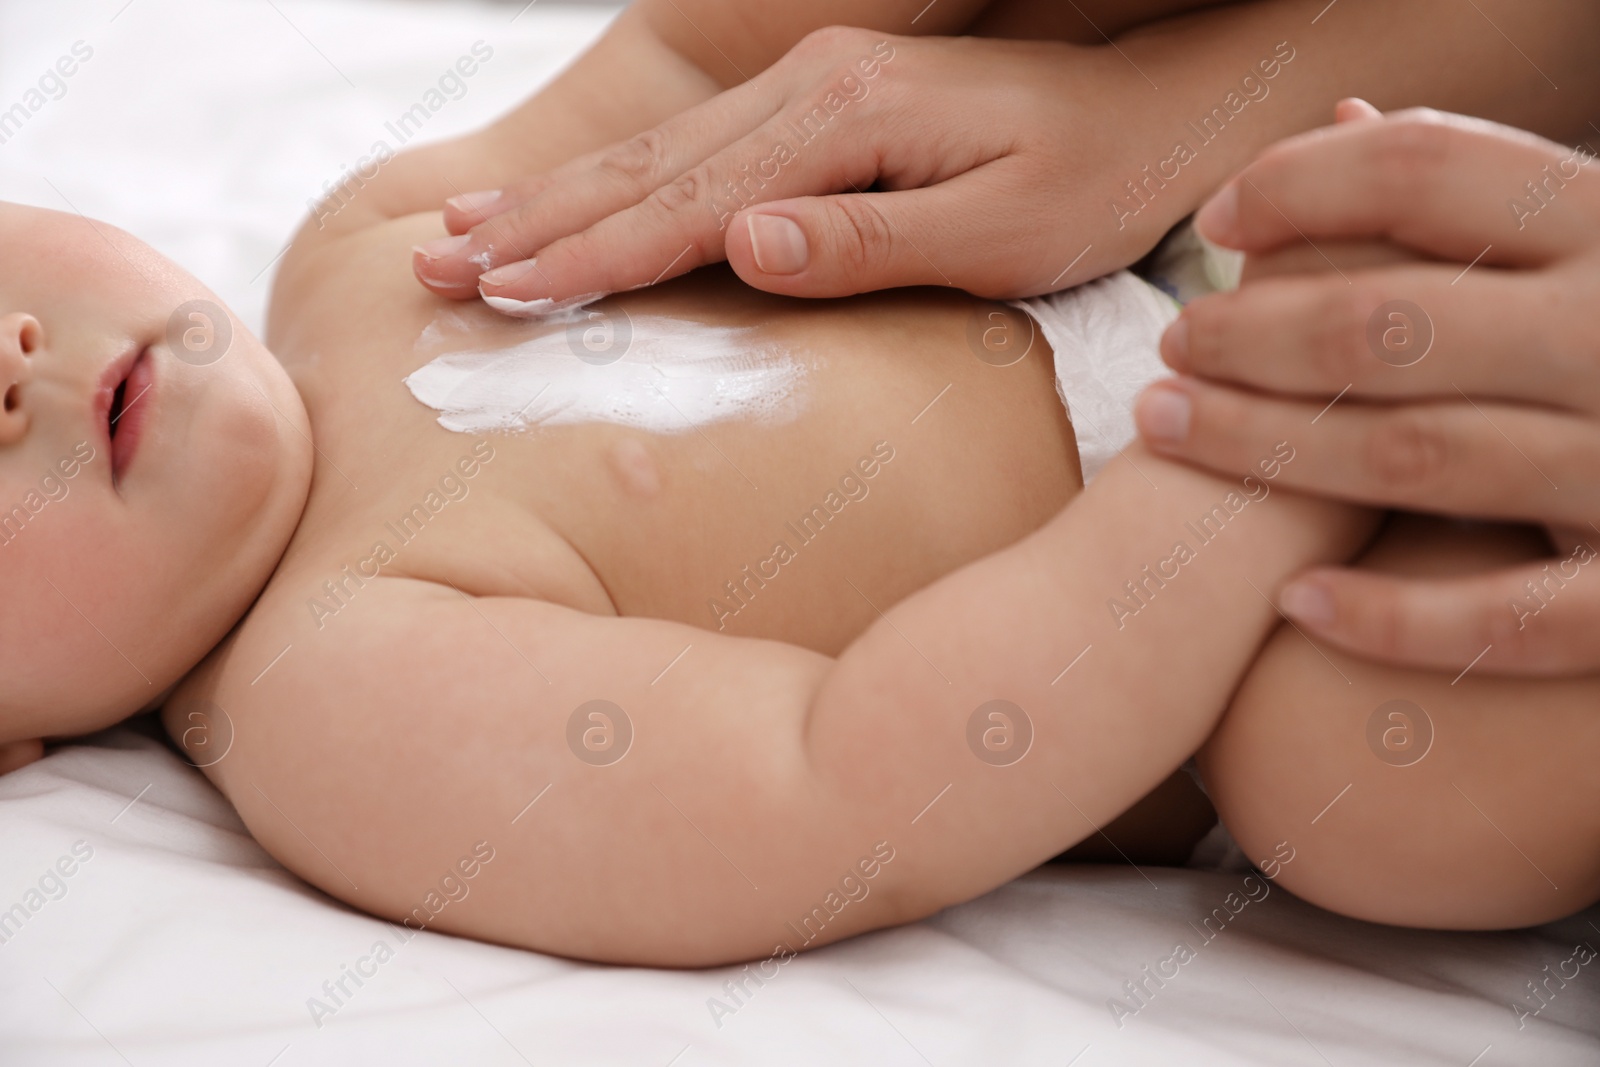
point(635, 467)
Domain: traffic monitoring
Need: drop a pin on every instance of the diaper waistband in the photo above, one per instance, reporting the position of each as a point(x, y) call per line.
point(1106, 337)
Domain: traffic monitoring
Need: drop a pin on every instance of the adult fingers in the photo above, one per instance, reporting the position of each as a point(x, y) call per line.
point(1354, 109)
point(657, 206)
point(1412, 330)
point(514, 224)
point(466, 210)
point(1334, 254)
point(1533, 619)
point(1449, 186)
point(446, 265)
point(826, 246)
point(1459, 458)
point(820, 142)
point(683, 224)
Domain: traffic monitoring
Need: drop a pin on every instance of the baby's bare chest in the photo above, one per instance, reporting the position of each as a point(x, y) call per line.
point(763, 470)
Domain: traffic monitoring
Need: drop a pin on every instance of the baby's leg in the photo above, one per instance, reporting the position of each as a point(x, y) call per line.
point(1409, 797)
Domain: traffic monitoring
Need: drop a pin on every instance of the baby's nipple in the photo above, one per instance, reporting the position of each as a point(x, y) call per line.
point(635, 467)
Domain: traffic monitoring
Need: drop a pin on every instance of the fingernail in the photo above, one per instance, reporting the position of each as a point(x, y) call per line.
point(1163, 414)
point(1175, 344)
point(1307, 602)
point(1355, 109)
point(508, 274)
point(1219, 217)
point(778, 243)
point(443, 246)
point(570, 309)
point(479, 201)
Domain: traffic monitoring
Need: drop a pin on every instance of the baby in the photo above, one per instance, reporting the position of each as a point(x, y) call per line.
point(735, 625)
point(146, 499)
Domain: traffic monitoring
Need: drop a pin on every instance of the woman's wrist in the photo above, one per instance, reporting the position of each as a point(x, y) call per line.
point(1213, 110)
point(1227, 91)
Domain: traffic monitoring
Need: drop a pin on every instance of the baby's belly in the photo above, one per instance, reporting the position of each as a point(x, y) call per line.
point(904, 457)
point(899, 449)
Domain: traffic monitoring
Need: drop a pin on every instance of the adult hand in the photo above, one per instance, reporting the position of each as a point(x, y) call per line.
point(979, 155)
point(1465, 382)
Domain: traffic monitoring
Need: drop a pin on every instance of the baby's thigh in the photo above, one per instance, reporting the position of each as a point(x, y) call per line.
point(1411, 797)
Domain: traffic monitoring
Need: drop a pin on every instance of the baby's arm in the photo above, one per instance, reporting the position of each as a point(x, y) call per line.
point(759, 774)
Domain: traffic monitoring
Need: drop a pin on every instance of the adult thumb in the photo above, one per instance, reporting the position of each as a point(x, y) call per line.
point(821, 246)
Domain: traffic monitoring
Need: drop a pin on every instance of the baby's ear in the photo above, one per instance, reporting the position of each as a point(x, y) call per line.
point(15, 754)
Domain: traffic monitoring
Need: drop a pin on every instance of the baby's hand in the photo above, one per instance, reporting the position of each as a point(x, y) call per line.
point(992, 165)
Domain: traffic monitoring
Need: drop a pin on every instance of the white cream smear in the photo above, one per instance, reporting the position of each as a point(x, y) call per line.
point(673, 376)
point(544, 308)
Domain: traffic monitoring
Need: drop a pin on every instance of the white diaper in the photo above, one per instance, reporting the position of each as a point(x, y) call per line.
point(1106, 335)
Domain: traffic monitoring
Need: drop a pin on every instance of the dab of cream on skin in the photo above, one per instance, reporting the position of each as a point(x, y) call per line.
point(672, 376)
point(567, 310)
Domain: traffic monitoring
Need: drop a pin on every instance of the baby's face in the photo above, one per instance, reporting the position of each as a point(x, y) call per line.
point(154, 459)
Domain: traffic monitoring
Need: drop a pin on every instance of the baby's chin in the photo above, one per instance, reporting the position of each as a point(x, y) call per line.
point(207, 507)
point(230, 460)
point(271, 382)
point(273, 449)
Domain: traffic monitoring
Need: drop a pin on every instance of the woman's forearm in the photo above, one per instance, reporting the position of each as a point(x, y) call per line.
point(661, 57)
point(734, 40)
point(1222, 91)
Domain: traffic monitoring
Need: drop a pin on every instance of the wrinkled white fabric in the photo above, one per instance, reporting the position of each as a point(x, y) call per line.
point(1106, 337)
point(183, 943)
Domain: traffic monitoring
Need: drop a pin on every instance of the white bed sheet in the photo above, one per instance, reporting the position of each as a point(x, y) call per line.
point(181, 942)
point(204, 127)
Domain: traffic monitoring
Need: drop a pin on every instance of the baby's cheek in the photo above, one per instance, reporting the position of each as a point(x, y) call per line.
point(635, 468)
point(231, 450)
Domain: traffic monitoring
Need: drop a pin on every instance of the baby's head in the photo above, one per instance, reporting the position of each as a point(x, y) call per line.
point(154, 460)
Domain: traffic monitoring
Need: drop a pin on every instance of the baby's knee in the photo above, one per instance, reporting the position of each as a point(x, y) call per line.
point(1399, 798)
